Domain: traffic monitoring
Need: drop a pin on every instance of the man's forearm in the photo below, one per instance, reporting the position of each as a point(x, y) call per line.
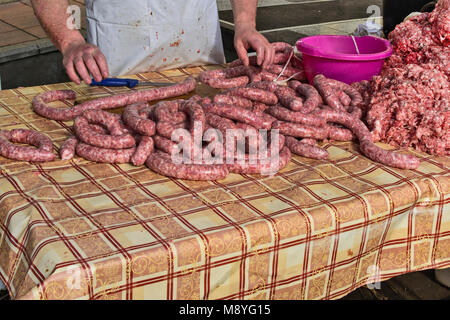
point(52, 15)
point(244, 11)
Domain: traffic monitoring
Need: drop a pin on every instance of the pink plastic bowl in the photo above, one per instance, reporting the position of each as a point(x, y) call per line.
point(336, 57)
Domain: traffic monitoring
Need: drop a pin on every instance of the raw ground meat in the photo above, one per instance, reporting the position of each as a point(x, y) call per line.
point(408, 103)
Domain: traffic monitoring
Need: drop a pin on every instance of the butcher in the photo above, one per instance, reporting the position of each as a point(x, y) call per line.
point(128, 37)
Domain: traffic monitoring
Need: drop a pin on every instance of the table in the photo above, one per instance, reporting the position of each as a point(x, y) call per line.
point(316, 230)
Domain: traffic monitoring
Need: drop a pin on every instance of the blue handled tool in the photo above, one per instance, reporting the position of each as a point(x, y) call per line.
point(130, 83)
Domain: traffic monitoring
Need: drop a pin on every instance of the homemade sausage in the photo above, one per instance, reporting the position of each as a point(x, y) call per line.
point(8, 149)
point(305, 149)
point(254, 94)
point(268, 166)
point(67, 150)
point(40, 101)
point(233, 100)
point(239, 114)
point(136, 116)
point(327, 92)
point(161, 163)
point(143, 150)
point(300, 130)
point(313, 98)
point(41, 107)
point(87, 135)
point(169, 111)
point(287, 97)
point(165, 129)
point(285, 114)
point(368, 148)
point(103, 155)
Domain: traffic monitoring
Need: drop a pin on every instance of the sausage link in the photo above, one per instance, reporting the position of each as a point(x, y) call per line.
point(264, 85)
point(23, 153)
point(196, 115)
point(270, 166)
point(134, 116)
point(110, 121)
point(290, 72)
point(355, 96)
point(33, 138)
point(287, 97)
point(239, 114)
point(85, 134)
point(300, 131)
point(339, 134)
point(169, 111)
point(67, 150)
point(344, 98)
point(368, 148)
point(165, 129)
point(143, 150)
point(161, 163)
point(284, 114)
point(327, 92)
point(103, 155)
point(255, 94)
point(226, 78)
point(305, 149)
point(41, 107)
point(259, 107)
point(138, 96)
point(233, 100)
point(165, 145)
point(313, 98)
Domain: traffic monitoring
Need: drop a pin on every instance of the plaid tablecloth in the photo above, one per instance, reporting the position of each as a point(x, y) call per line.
point(316, 230)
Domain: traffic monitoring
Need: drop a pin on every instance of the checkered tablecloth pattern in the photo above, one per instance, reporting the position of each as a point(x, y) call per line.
point(316, 230)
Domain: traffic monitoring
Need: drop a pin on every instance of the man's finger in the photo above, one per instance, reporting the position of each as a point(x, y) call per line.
point(81, 69)
point(91, 64)
point(269, 56)
point(260, 54)
point(71, 71)
point(242, 53)
point(102, 64)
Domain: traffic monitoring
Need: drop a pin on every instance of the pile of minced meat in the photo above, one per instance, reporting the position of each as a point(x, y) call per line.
point(408, 103)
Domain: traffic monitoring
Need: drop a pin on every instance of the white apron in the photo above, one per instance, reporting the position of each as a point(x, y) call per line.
point(148, 35)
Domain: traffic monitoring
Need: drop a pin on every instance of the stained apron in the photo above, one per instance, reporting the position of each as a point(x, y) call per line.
point(149, 35)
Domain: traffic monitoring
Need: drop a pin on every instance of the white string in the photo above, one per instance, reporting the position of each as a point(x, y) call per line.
point(356, 45)
point(285, 66)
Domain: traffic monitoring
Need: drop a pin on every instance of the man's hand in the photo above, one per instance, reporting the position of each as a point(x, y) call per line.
point(246, 37)
point(81, 59)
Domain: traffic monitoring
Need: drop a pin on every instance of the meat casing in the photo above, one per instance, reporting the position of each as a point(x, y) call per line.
point(300, 130)
point(103, 155)
point(313, 98)
point(305, 149)
point(284, 114)
point(41, 107)
point(255, 94)
point(40, 101)
point(239, 114)
point(8, 149)
point(261, 168)
point(287, 97)
point(67, 150)
point(87, 135)
point(327, 92)
point(143, 150)
point(136, 116)
point(161, 163)
point(368, 148)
